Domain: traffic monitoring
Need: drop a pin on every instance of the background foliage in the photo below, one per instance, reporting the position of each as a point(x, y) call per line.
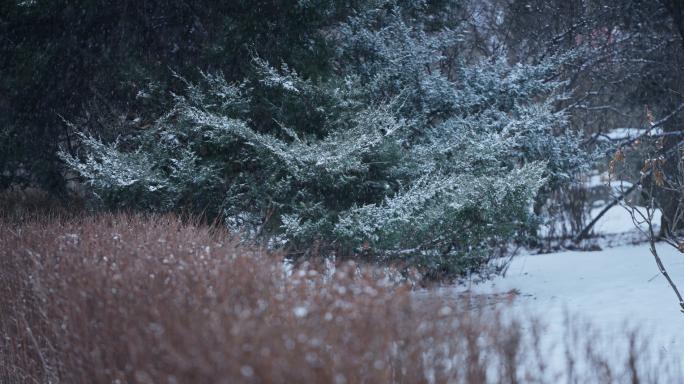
point(383, 127)
point(383, 156)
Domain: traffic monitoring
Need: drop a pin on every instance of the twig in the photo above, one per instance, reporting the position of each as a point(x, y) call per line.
point(648, 218)
point(585, 231)
point(523, 266)
point(650, 208)
point(14, 233)
point(668, 155)
point(661, 267)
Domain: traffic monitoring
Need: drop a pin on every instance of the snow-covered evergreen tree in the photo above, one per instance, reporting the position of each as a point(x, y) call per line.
point(388, 157)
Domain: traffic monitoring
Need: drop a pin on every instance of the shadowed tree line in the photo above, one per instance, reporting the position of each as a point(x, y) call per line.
point(90, 62)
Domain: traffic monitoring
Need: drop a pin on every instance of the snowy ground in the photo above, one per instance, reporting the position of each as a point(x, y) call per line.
point(615, 289)
point(612, 288)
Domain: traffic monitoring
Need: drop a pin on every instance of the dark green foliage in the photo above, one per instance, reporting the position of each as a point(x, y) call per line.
point(383, 157)
point(90, 62)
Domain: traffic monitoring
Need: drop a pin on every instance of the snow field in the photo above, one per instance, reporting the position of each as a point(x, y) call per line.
point(612, 292)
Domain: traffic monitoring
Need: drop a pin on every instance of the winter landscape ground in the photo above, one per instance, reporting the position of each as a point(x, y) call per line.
point(614, 290)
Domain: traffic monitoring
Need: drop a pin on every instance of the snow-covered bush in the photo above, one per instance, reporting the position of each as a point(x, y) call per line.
point(386, 158)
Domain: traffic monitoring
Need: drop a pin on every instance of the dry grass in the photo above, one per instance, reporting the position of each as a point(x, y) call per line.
point(127, 298)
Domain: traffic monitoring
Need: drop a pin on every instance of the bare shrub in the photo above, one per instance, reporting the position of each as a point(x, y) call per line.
point(118, 298)
point(661, 185)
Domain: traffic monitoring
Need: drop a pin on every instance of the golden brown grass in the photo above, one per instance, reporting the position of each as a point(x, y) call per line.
point(129, 298)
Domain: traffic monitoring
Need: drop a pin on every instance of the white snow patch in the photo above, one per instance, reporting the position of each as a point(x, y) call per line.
point(615, 289)
point(621, 134)
point(300, 311)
